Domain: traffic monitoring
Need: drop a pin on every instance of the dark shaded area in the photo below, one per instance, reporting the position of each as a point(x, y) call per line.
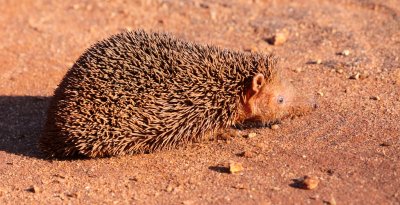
point(298, 183)
point(220, 169)
point(254, 123)
point(21, 122)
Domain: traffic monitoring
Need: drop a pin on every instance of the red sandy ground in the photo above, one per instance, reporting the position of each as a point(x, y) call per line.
point(351, 142)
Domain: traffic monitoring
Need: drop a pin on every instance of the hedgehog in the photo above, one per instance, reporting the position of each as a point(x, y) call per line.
point(141, 92)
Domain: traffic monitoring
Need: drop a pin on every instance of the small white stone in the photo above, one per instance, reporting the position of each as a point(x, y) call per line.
point(346, 52)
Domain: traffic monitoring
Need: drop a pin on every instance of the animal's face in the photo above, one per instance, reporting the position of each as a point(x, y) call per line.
point(272, 101)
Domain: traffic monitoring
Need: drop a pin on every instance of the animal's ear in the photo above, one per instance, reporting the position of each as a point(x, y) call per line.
point(257, 82)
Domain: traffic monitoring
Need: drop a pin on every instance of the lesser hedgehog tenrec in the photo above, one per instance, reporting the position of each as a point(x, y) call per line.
point(139, 92)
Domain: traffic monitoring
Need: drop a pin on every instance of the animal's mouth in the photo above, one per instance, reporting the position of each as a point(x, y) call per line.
point(257, 122)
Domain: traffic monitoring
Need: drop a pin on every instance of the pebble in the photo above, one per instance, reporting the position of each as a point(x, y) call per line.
point(247, 154)
point(340, 71)
point(229, 135)
point(34, 24)
point(377, 98)
point(297, 70)
point(224, 136)
point(89, 7)
point(134, 178)
point(33, 189)
point(241, 186)
point(330, 172)
point(252, 135)
point(275, 127)
point(279, 38)
point(320, 93)
point(332, 201)
point(364, 75)
point(355, 76)
point(235, 167)
point(317, 62)
point(386, 144)
point(315, 197)
point(76, 6)
point(72, 195)
point(204, 5)
point(213, 14)
point(310, 182)
point(251, 49)
point(128, 28)
point(169, 188)
point(69, 64)
point(397, 76)
point(260, 145)
point(345, 52)
point(189, 202)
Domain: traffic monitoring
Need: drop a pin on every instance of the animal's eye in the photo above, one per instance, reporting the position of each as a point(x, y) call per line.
point(280, 99)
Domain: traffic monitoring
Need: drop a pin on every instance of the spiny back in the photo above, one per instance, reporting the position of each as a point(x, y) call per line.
point(137, 92)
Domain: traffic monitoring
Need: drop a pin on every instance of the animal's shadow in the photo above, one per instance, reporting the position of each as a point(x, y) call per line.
point(21, 122)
